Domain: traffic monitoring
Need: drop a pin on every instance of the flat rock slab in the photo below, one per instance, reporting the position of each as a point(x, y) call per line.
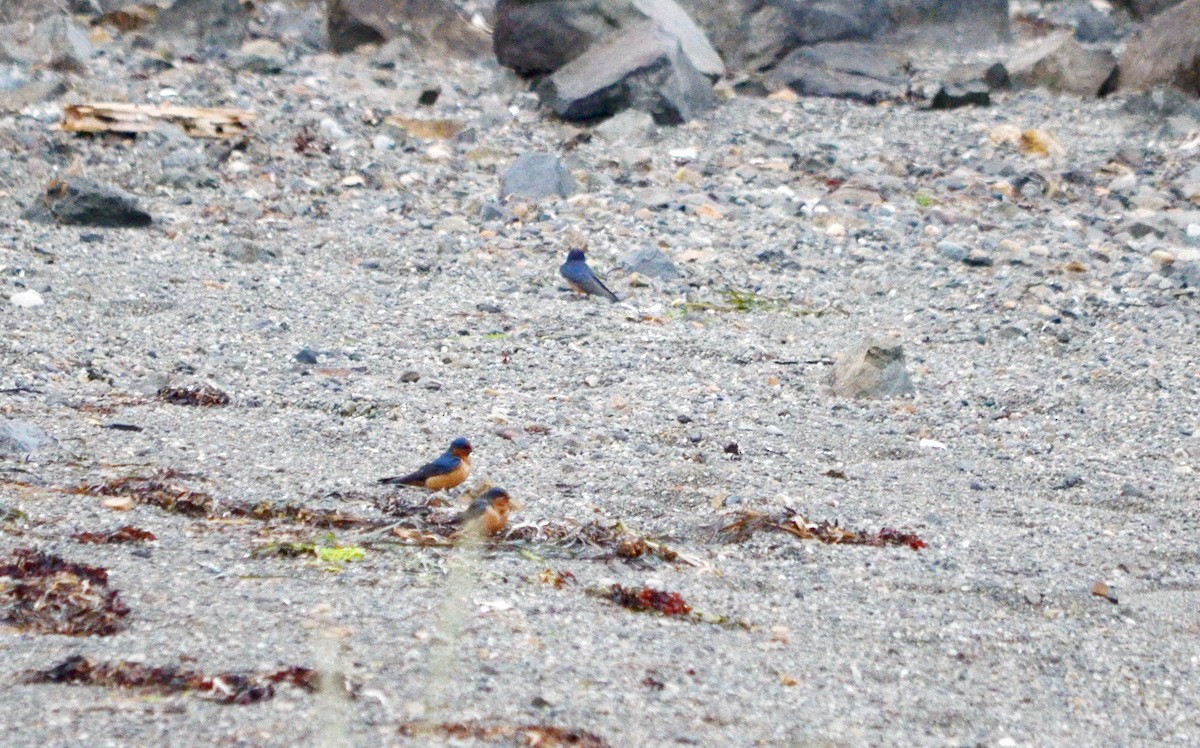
point(644, 68)
point(847, 70)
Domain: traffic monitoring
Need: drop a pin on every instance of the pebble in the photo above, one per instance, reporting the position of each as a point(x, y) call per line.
point(307, 356)
point(26, 299)
point(953, 251)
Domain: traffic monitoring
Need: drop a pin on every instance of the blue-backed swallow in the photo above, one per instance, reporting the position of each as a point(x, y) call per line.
point(489, 513)
point(581, 277)
point(447, 471)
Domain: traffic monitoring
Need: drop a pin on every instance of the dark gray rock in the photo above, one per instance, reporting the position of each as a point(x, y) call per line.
point(537, 176)
point(643, 68)
point(874, 369)
point(79, 201)
point(1061, 64)
point(650, 261)
point(1144, 9)
point(537, 37)
point(955, 95)
point(434, 25)
point(964, 23)
point(849, 70)
point(307, 356)
point(21, 437)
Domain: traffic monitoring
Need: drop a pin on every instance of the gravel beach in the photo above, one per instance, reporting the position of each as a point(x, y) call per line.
point(363, 295)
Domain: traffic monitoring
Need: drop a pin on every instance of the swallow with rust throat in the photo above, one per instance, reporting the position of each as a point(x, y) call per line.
point(581, 277)
point(446, 471)
point(488, 514)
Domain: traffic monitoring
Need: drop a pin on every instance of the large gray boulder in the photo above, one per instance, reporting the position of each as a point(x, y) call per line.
point(1060, 63)
point(436, 25)
point(537, 37)
point(1166, 52)
point(643, 68)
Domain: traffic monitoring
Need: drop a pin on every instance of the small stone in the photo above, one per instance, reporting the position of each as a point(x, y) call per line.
point(79, 201)
point(652, 262)
point(1162, 258)
point(259, 56)
point(955, 95)
point(536, 176)
point(307, 356)
point(873, 369)
point(1070, 481)
point(628, 128)
point(26, 299)
point(952, 250)
point(978, 258)
point(410, 376)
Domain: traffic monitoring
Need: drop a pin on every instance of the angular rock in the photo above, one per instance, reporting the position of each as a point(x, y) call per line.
point(262, 56)
point(536, 176)
point(56, 43)
point(537, 37)
point(643, 68)
point(848, 70)
point(21, 437)
point(427, 24)
point(1062, 64)
point(79, 201)
point(650, 261)
point(873, 369)
point(1165, 52)
point(629, 128)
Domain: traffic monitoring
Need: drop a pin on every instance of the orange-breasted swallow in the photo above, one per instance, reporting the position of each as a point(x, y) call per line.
point(581, 277)
point(489, 513)
point(447, 471)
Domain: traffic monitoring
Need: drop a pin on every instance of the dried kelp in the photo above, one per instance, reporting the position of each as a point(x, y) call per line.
point(745, 523)
point(541, 736)
point(47, 595)
point(223, 688)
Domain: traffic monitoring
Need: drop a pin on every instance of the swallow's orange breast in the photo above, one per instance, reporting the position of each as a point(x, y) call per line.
point(452, 478)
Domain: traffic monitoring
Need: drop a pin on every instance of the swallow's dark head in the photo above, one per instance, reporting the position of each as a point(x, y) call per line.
point(575, 255)
point(495, 494)
point(460, 447)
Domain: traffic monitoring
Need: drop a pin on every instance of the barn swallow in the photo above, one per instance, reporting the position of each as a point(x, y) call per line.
point(581, 277)
point(489, 513)
point(447, 471)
